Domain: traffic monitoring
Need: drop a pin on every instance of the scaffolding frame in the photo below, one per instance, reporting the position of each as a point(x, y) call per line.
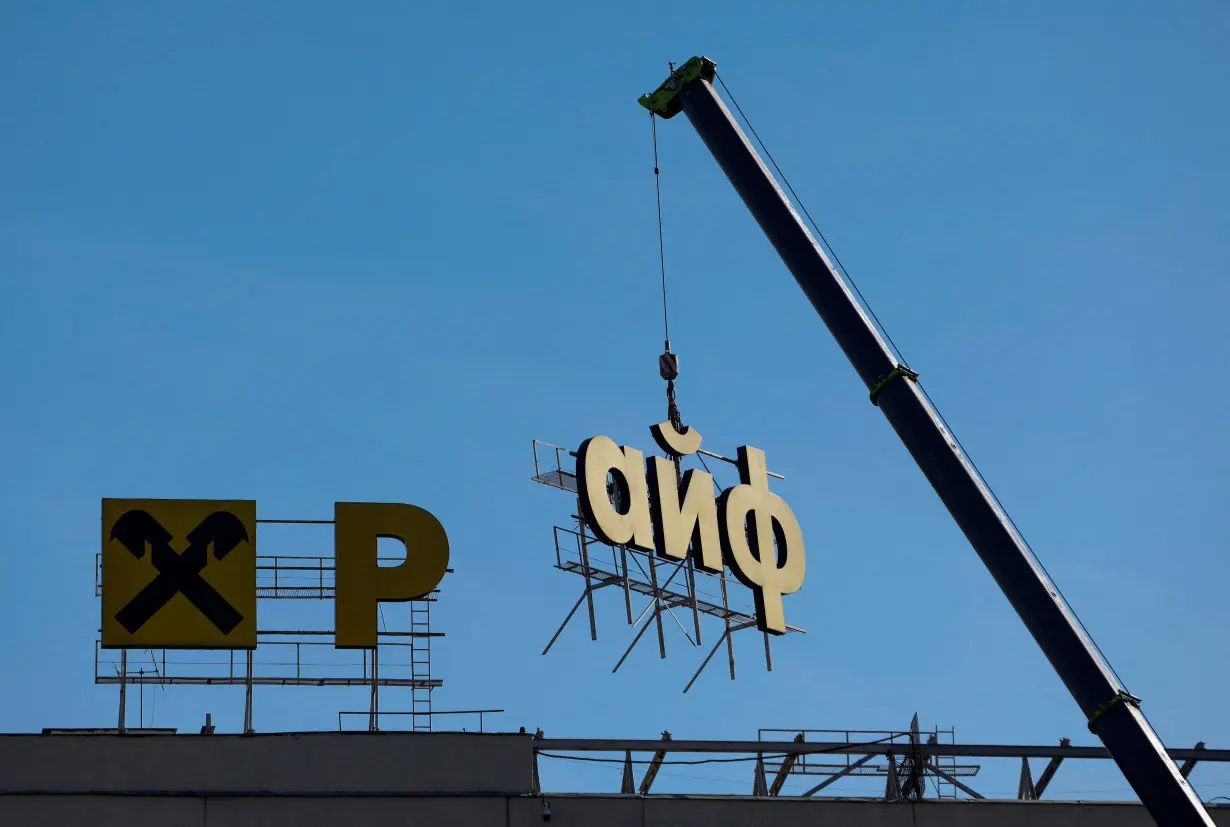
point(904, 769)
point(891, 746)
point(401, 658)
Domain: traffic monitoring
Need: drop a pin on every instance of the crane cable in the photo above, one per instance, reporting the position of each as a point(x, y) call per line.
point(657, 185)
point(905, 364)
point(668, 362)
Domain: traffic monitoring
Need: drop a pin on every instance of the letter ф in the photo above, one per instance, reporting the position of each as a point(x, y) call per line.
point(761, 540)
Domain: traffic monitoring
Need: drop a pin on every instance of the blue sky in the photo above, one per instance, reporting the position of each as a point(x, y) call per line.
point(301, 253)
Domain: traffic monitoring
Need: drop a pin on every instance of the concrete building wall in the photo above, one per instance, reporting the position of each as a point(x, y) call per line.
point(313, 762)
point(567, 811)
point(412, 780)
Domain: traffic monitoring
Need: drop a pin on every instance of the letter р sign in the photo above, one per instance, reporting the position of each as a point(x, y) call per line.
point(182, 573)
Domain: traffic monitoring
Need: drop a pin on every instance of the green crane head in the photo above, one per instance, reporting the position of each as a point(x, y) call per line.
point(665, 100)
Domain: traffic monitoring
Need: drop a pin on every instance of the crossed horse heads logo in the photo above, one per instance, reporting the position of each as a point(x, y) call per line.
point(179, 573)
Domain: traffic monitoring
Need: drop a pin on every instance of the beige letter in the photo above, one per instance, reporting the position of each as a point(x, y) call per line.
point(629, 523)
point(762, 541)
point(673, 442)
point(362, 583)
point(693, 524)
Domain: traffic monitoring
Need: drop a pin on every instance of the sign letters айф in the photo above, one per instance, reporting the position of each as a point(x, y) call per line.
point(748, 528)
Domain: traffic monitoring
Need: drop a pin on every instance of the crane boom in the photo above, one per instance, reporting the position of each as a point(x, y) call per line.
point(1113, 714)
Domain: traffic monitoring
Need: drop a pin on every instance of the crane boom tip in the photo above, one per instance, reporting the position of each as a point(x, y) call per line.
point(664, 101)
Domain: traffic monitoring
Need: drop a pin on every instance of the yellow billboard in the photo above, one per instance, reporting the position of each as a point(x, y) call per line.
point(179, 574)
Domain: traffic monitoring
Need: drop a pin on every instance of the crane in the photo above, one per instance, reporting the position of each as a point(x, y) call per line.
point(1113, 714)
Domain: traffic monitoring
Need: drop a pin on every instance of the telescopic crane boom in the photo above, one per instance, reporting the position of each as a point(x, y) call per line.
point(1113, 714)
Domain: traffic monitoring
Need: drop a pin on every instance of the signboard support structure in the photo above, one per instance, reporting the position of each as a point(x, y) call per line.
point(407, 649)
point(373, 723)
point(669, 584)
point(247, 695)
point(123, 690)
point(940, 767)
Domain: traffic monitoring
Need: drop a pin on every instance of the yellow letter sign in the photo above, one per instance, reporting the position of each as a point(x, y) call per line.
point(362, 583)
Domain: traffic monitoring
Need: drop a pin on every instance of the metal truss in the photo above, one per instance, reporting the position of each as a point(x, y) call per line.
point(291, 657)
point(902, 758)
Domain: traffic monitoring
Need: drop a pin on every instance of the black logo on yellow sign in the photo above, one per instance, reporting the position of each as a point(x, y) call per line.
point(179, 573)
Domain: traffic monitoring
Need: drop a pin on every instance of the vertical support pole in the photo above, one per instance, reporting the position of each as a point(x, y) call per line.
point(760, 787)
point(122, 727)
point(730, 644)
point(892, 785)
point(623, 556)
point(589, 595)
point(247, 697)
point(691, 564)
point(914, 784)
point(627, 784)
point(1025, 789)
point(658, 603)
point(768, 653)
point(373, 715)
point(695, 598)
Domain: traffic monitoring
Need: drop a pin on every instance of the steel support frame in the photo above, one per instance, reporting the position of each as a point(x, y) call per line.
point(247, 695)
point(1190, 763)
point(726, 638)
point(1122, 727)
point(655, 764)
point(953, 781)
point(782, 748)
point(590, 588)
point(1030, 791)
point(840, 774)
point(783, 771)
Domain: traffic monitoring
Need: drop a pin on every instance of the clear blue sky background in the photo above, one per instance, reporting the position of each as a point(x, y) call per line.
point(313, 252)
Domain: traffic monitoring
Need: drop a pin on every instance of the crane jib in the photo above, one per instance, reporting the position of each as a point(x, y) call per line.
point(1113, 714)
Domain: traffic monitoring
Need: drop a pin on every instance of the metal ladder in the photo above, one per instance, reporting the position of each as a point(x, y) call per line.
point(420, 663)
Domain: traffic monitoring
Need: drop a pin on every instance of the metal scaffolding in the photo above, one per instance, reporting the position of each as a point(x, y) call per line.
point(293, 656)
point(907, 760)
